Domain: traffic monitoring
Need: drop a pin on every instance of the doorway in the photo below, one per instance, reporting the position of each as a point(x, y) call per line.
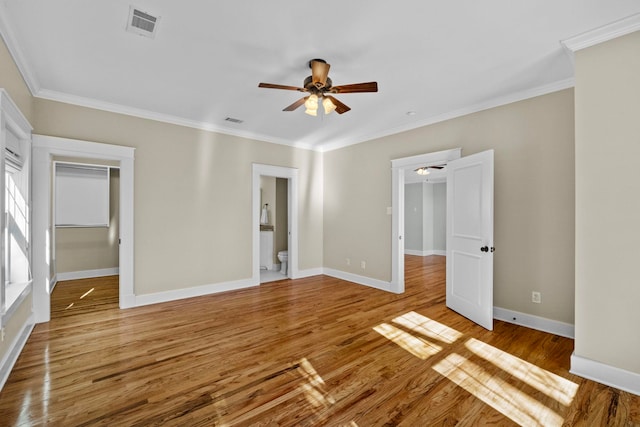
point(45, 148)
point(399, 168)
point(425, 214)
point(290, 177)
point(469, 218)
point(85, 246)
point(274, 228)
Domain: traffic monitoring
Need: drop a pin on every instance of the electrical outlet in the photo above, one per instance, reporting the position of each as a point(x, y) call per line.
point(363, 265)
point(536, 297)
point(348, 261)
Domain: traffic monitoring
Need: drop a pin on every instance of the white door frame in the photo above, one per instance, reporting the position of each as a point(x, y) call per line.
point(291, 174)
point(398, 169)
point(44, 148)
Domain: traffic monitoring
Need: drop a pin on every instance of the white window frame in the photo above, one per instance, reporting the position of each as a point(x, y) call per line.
point(11, 120)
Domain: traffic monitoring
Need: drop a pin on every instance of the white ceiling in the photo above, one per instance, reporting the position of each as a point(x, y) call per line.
point(438, 59)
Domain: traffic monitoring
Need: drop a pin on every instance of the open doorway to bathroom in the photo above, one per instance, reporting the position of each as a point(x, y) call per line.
point(274, 228)
point(266, 263)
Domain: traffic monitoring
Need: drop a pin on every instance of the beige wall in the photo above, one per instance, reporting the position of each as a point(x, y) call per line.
point(11, 80)
point(94, 248)
point(192, 195)
point(534, 199)
point(607, 100)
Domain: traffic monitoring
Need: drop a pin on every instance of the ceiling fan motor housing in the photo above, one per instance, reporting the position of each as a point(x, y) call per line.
point(317, 88)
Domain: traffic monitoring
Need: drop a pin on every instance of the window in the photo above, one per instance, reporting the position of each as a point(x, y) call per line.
point(16, 241)
point(15, 232)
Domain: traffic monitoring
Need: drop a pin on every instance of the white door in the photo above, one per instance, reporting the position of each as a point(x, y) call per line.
point(470, 237)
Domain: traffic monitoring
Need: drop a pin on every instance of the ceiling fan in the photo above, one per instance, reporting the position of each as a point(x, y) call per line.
point(319, 85)
point(424, 170)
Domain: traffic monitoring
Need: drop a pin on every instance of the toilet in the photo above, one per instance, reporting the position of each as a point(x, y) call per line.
point(283, 256)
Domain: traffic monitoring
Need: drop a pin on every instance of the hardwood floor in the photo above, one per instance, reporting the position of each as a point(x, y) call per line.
point(315, 351)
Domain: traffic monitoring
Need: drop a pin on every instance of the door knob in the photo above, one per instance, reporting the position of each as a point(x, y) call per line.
point(485, 249)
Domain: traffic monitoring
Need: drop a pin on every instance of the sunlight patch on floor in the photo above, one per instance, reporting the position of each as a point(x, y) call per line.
point(491, 389)
point(542, 380)
point(497, 393)
point(87, 293)
point(313, 387)
point(425, 326)
point(419, 347)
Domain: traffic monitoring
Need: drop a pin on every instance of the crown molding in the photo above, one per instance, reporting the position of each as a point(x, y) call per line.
point(23, 66)
point(607, 32)
point(486, 105)
point(159, 117)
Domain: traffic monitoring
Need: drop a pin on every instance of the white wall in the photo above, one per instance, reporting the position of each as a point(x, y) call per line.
point(425, 216)
point(413, 218)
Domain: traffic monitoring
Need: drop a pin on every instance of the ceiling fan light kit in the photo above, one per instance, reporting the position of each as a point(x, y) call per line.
point(319, 85)
point(424, 170)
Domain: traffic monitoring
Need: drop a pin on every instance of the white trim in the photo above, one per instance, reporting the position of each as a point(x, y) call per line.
point(196, 291)
point(605, 374)
point(602, 34)
point(87, 274)
point(73, 147)
point(425, 253)
point(14, 349)
point(291, 174)
point(44, 148)
point(428, 159)
point(16, 121)
point(214, 288)
point(309, 272)
point(360, 280)
point(534, 322)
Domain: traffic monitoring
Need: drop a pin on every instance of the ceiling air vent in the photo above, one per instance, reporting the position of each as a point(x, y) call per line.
point(142, 23)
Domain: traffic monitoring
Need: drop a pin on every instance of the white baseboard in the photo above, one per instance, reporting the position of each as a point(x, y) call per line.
point(605, 374)
point(14, 350)
point(309, 272)
point(425, 253)
point(534, 322)
point(195, 291)
point(361, 280)
point(86, 274)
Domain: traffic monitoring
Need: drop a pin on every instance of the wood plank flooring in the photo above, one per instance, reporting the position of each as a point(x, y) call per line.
point(309, 352)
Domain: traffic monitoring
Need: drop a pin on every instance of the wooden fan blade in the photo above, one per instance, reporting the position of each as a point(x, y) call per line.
point(319, 73)
point(356, 88)
point(274, 86)
point(340, 107)
point(296, 104)
point(435, 167)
